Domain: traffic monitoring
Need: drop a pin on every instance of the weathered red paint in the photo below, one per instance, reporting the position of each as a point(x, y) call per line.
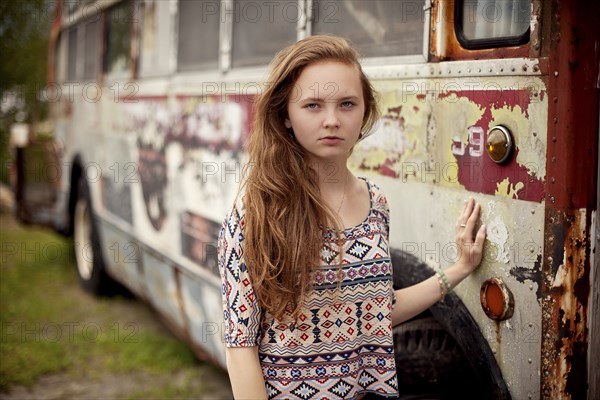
point(482, 174)
point(571, 167)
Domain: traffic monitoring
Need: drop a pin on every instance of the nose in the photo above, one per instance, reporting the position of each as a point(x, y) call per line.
point(331, 120)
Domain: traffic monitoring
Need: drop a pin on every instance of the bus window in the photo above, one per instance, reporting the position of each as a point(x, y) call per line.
point(492, 23)
point(118, 40)
point(91, 60)
point(379, 28)
point(198, 34)
point(260, 31)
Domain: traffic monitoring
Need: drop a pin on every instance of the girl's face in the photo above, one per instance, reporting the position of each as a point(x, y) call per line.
point(326, 110)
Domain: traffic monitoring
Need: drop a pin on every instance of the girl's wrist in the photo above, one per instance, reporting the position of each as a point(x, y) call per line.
point(458, 272)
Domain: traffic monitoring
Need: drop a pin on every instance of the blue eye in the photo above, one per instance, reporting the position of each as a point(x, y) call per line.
point(312, 106)
point(347, 104)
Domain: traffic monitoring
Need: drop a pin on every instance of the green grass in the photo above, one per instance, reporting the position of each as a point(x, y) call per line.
point(50, 325)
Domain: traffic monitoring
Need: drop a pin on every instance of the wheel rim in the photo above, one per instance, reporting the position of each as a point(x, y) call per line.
point(84, 253)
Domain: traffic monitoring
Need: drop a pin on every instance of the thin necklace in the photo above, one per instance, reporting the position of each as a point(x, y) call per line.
point(343, 194)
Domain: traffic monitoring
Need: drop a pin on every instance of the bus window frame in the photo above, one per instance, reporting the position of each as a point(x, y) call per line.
point(304, 29)
point(490, 43)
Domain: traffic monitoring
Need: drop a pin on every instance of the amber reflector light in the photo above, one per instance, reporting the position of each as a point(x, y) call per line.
point(496, 300)
point(499, 144)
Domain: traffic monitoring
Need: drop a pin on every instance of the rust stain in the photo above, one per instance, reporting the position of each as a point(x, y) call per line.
point(565, 297)
point(446, 46)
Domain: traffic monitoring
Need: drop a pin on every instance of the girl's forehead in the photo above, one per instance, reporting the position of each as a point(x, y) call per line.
point(329, 65)
point(322, 72)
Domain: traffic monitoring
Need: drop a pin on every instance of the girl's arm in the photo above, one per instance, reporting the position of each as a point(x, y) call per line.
point(415, 299)
point(245, 373)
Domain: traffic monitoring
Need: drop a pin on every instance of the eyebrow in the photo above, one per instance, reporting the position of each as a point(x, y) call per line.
point(329, 98)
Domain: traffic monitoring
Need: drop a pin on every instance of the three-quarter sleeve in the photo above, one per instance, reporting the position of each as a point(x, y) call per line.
point(241, 311)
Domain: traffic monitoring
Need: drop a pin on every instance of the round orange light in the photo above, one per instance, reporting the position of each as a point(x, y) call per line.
point(496, 300)
point(499, 144)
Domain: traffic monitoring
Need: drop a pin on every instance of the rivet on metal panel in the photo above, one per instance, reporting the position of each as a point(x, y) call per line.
point(554, 139)
point(530, 361)
point(556, 122)
point(551, 239)
point(555, 73)
point(553, 159)
point(552, 180)
point(524, 68)
point(534, 134)
point(513, 69)
point(530, 287)
point(478, 69)
point(550, 259)
point(501, 69)
point(552, 199)
point(531, 324)
point(536, 68)
point(555, 99)
point(490, 70)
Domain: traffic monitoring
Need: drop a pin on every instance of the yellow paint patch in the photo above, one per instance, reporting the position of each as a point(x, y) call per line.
point(507, 189)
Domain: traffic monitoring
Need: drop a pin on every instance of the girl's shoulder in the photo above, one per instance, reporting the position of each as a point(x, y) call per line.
point(234, 219)
point(378, 198)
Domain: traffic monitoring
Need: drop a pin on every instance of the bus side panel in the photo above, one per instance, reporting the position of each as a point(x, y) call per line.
point(429, 155)
point(171, 167)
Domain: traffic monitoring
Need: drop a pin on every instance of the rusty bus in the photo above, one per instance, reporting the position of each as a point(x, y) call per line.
point(152, 100)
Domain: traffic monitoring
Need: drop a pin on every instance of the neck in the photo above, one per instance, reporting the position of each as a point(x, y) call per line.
point(331, 176)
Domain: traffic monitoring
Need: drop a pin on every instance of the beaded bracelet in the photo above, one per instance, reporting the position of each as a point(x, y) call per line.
point(441, 274)
point(442, 289)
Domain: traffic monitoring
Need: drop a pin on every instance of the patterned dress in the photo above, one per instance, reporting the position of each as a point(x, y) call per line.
point(341, 345)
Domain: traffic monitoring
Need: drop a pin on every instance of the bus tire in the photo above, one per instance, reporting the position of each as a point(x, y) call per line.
point(88, 249)
point(429, 362)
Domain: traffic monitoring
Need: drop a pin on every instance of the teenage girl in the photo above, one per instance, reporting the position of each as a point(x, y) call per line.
point(307, 278)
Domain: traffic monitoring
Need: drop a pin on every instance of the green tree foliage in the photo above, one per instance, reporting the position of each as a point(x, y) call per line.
point(24, 31)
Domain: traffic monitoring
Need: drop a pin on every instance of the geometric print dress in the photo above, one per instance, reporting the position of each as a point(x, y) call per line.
point(341, 345)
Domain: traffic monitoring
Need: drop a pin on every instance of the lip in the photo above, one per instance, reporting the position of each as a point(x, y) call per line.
point(331, 140)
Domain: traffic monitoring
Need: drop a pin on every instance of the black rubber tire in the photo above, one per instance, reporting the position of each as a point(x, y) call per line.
point(88, 247)
point(429, 362)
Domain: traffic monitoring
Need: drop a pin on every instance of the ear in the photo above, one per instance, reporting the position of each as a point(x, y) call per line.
point(287, 123)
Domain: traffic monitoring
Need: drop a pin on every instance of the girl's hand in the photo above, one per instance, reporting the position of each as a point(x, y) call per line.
point(470, 243)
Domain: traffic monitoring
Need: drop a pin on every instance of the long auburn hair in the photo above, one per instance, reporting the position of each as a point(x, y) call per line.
point(285, 212)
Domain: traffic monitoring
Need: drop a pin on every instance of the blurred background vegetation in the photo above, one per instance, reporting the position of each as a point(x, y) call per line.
point(24, 30)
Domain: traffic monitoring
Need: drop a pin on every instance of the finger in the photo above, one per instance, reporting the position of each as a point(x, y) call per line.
point(480, 238)
point(473, 215)
point(464, 215)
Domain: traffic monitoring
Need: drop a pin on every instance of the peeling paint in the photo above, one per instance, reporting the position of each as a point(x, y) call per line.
point(510, 190)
